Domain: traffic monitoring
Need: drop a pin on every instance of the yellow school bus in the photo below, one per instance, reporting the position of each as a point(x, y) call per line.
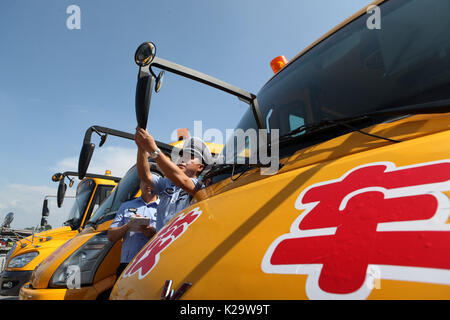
point(27, 253)
point(90, 250)
point(358, 206)
point(96, 258)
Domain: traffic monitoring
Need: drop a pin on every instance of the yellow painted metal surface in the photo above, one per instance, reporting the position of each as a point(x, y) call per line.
point(43, 273)
point(229, 242)
point(46, 242)
point(41, 294)
point(355, 217)
point(104, 278)
point(41, 244)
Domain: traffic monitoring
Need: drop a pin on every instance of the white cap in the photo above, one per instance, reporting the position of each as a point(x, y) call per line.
point(198, 148)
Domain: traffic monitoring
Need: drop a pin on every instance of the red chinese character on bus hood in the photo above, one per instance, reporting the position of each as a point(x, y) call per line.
point(148, 257)
point(375, 218)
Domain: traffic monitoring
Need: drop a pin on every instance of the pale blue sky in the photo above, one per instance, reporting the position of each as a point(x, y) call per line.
point(56, 82)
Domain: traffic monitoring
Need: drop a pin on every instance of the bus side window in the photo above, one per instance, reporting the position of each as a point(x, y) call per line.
point(295, 122)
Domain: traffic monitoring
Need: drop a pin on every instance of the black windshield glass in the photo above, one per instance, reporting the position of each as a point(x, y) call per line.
point(358, 70)
point(83, 196)
point(125, 190)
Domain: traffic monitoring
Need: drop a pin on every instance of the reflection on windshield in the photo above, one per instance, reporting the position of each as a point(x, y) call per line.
point(84, 192)
point(125, 190)
point(359, 70)
point(247, 122)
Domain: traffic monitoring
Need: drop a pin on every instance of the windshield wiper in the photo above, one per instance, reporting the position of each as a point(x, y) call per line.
point(327, 124)
point(440, 106)
point(221, 168)
point(233, 168)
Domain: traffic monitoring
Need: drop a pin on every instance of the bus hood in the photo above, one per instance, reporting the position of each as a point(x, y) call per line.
point(351, 218)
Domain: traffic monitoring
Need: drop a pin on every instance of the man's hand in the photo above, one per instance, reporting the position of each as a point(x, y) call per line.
point(148, 231)
point(115, 234)
point(144, 140)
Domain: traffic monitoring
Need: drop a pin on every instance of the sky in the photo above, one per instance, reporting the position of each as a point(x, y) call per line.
point(56, 82)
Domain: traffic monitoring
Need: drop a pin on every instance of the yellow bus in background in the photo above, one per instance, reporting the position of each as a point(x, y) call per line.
point(90, 251)
point(27, 253)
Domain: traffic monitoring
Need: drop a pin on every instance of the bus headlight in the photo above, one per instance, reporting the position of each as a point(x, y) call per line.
point(22, 260)
point(84, 261)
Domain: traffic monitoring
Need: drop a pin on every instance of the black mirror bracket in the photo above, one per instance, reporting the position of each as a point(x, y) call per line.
point(88, 149)
point(102, 136)
point(195, 75)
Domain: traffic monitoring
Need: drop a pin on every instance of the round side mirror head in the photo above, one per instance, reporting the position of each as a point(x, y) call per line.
point(8, 219)
point(159, 81)
point(57, 177)
point(85, 158)
point(145, 54)
point(61, 192)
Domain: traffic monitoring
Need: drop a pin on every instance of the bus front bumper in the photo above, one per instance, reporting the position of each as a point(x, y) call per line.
point(12, 281)
point(28, 293)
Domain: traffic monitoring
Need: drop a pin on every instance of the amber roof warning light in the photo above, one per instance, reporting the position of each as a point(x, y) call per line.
point(278, 63)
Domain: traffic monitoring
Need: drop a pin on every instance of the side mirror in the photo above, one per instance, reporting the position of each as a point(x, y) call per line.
point(85, 158)
point(143, 57)
point(143, 96)
point(43, 222)
point(144, 54)
point(61, 192)
point(159, 81)
point(57, 177)
point(8, 219)
point(45, 210)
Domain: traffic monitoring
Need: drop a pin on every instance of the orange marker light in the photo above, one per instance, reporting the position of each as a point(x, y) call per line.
point(182, 133)
point(278, 63)
point(107, 172)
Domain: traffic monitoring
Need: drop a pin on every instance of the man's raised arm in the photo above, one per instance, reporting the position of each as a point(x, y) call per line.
point(143, 167)
point(146, 142)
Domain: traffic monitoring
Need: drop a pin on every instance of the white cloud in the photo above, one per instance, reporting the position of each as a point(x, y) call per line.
point(116, 159)
point(26, 200)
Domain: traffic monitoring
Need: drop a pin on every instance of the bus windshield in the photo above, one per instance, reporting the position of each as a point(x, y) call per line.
point(359, 70)
point(126, 190)
point(83, 195)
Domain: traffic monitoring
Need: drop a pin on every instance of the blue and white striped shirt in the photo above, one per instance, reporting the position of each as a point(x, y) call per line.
point(173, 199)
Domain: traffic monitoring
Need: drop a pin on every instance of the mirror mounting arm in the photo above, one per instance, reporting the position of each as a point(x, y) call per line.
point(151, 72)
point(192, 74)
point(202, 78)
point(257, 114)
point(102, 136)
point(85, 157)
